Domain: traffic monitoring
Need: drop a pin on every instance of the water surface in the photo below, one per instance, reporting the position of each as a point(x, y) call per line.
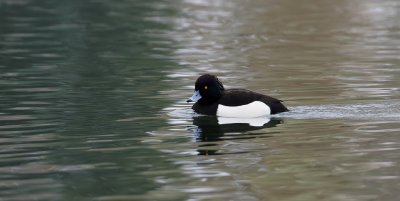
point(92, 100)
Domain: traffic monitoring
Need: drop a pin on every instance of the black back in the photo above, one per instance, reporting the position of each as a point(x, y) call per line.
point(237, 97)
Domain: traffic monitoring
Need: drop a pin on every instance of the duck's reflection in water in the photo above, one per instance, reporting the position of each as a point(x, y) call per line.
point(210, 129)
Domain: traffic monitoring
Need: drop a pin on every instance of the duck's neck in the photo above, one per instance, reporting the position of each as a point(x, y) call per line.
point(211, 98)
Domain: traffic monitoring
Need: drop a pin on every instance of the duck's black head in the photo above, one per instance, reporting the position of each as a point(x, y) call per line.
point(207, 90)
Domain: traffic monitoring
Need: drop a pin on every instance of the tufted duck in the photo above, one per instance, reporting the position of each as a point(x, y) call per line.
point(211, 98)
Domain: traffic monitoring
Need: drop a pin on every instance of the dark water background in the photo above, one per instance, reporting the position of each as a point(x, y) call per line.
point(92, 100)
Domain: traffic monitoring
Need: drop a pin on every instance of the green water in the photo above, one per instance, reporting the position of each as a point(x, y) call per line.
point(92, 100)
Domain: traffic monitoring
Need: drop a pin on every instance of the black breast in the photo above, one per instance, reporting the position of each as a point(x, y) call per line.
point(209, 109)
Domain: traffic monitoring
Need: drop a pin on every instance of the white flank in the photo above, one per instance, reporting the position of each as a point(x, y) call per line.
point(251, 110)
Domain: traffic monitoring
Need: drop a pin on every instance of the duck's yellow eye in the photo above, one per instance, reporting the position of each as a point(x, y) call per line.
point(205, 87)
